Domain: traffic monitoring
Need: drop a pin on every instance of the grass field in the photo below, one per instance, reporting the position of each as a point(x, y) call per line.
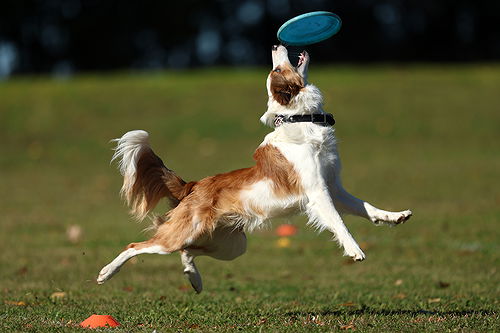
point(419, 137)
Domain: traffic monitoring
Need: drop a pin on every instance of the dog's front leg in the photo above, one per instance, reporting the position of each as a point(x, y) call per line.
point(322, 214)
point(349, 204)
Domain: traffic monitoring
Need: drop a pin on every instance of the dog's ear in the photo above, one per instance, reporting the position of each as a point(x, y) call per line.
point(285, 85)
point(282, 96)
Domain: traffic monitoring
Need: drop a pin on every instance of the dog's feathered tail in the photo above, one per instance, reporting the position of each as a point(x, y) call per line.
point(146, 179)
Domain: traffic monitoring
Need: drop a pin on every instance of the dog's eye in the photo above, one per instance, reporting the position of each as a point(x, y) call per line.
point(277, 70)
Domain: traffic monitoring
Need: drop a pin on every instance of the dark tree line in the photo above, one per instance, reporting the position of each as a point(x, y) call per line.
point(66, 36)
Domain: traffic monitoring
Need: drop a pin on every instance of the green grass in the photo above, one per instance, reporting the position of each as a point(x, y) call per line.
point(419, 137)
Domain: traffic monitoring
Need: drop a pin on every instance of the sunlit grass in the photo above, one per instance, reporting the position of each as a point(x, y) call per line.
point(419, 137)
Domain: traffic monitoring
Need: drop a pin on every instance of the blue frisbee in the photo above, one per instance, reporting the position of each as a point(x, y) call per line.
point(309, 28)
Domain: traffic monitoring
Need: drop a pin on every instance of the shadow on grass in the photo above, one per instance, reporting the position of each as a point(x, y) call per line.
point(383, 312)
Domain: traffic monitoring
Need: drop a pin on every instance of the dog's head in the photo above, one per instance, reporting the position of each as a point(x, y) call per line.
point(285, 81)
point(287, 87)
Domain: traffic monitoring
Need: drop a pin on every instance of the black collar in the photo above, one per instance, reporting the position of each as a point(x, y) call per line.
point(325, 119)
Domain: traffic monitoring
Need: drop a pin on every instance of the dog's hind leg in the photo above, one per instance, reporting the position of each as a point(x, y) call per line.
point(349, 204)
point(191, 271)
point(151, 247)
point(224, 243)
point(173, 235)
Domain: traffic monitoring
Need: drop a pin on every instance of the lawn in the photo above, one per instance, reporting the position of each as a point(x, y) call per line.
point(420, 137)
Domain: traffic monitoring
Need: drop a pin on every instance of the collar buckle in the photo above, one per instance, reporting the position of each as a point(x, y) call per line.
point(279, 120)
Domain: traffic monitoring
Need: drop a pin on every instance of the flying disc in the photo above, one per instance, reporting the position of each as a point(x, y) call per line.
point(309, 28)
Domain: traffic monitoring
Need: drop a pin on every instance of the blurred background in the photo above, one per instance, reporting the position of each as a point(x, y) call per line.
point(414, 87)
point(63, 37)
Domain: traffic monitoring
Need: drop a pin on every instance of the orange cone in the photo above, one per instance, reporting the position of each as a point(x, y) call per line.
point(95, 321)
point(286, 230)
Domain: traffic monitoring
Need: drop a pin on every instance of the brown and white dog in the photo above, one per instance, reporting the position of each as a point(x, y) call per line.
point(297, 170)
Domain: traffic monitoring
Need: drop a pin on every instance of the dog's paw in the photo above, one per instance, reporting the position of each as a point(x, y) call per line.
point(195, 279)
point(106, 273)
point(405, 216)
point(354, 252)
point(392, 219)
point(359, 257)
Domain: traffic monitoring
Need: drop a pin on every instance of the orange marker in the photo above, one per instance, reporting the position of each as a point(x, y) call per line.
point(286, 230)
point(95, 321)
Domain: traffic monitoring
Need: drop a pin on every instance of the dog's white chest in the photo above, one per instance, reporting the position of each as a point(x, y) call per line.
point(310, 148)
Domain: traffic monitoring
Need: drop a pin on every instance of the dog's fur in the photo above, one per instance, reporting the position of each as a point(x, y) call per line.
point(297, 170)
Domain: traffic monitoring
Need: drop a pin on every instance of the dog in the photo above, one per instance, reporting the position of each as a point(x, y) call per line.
point(297, 171)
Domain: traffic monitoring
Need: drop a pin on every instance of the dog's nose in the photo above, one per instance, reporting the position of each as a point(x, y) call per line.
point(275, 47)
